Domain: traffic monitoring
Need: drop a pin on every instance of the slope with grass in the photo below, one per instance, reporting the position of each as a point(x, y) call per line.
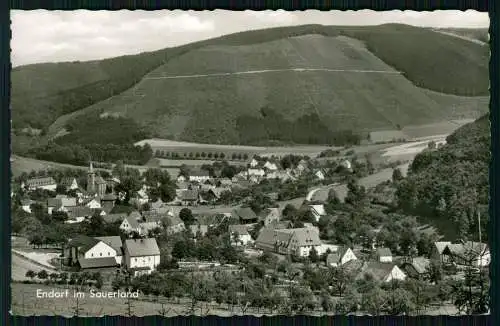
point(43, 92)
point(309, 83)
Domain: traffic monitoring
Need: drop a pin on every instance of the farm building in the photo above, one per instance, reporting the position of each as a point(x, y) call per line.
point(142, 256)
point(47, 183)
point(91, 252)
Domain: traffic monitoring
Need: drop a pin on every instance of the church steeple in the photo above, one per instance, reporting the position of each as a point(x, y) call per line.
point(91, 179)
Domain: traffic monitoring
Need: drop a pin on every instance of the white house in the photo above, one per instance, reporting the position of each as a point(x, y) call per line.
point(317, 211)
point(270, 166)
point(241, 231)
point(47, 183)
point(469, 253)
point(254, 163)
point(141, 196)
point(256, 172)
point(94, 203)
point(384, 255)
point(199, 176)
point(269, 216)
point(26, 205)
point(342, 256)
point(142, 256)
point(382, 272)
point(298, 242)
point(130, 223)
point(320, 175)
point(181, 178)
point(91, 253)
point(114, 242)
point(69, 183)
point(60, 203)
point(346, 164)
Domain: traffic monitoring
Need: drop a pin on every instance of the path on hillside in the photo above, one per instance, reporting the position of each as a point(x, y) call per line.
point(250, 72)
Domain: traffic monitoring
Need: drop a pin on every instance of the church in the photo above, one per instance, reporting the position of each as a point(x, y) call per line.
point(95, 183)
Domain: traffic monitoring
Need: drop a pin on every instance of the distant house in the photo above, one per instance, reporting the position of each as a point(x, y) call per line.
point(78, 213)
point(69, 183)
point(182, 185)
point(320, 175)
point(437, 251)
point(142, 256)
point(226, 183)
point(256, 172)
point(254, 163)
point(199, 176)
point(218, 191)
point(270, 166)
point(175, 224)
point(26, 205)
point(92, 253)
point(269, 215)
point(382, 272)
point(181, 178)
point(46, 183)
point(343, 255)
point(59, 203)
point(190, 197)
point(317, 211)
point(416, 268)
point(93, 203)
point(114, 218)
point(241, 233)
point(141, 197)
point(131, 223)
point(212, 220)
point(245, 215)
point(384, 255)
point(385, 136)
point(469, 253)
point(298, 242)
point(346, 164)
point(160, 207)
point(108, 202)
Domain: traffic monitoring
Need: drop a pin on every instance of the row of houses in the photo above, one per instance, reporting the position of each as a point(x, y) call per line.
point(138, 256)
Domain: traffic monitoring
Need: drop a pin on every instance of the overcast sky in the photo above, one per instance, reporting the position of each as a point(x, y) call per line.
point(52, 36)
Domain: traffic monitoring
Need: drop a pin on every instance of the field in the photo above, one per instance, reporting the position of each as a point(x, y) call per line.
point(210, 112)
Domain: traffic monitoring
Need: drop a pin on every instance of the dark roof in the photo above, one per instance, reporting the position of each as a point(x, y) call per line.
point(378, 270)
point(97, 262)
point(199, 173)
point(79, 211)
point(83, 243)
point(110, 218)
point(189, 195)
point(141, 247)
point(384, 252)
point(114, 242)
point(245, 213)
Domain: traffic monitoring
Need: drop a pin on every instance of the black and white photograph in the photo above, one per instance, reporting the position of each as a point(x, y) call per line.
point(250, 163)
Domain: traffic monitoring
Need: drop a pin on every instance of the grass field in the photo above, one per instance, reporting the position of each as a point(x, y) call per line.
point(345, 99)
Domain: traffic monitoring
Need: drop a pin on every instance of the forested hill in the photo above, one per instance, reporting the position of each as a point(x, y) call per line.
point(447, 186)
point(43, 93)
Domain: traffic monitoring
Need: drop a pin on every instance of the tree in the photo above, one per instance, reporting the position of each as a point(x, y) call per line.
point(31, 274)
point(42, 274)
point(397, 175)
point(339, 278)
point(59, 216)
point(374, 301)
point(313, 255)
point(186, 216)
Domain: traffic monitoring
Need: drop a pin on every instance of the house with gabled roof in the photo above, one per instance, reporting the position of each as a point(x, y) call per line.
point(114, 218)
point(131, 223)
point(141, 256)
point(317, 210)
point(298, 242)
point(381, 272)
point(190, 197)
point(60, 203)
point(320, 175)
point(269, 215)
point(343, 255)
point(198, 230)
point(384, 255)
point(270, 166)
point(77, 214)
point(438, 249)
point(45, 183)
point(254, 163)
point(239, 235)
point(69, 183)
point(469, 253)
point(89, 253)
point(199, 175)
point(417, 267)
point(114, 242)
point(26, 205)
point(245, 215)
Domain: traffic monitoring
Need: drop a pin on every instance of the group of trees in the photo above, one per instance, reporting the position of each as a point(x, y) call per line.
point(450, 186)
point(80, 280)
point(272, 126)
point(201, 155)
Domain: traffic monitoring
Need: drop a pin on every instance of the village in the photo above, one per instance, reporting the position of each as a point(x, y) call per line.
point(262, 223)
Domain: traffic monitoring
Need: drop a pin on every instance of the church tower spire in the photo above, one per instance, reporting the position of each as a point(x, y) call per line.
point(91, 179)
